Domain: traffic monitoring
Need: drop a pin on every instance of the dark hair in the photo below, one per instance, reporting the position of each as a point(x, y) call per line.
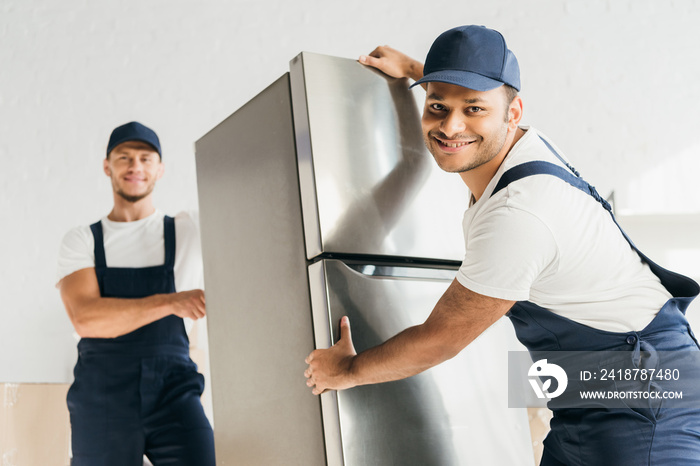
point(511, 93)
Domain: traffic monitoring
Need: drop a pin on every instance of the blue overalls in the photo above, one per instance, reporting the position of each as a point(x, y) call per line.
point(607, 436)
point(138, 393)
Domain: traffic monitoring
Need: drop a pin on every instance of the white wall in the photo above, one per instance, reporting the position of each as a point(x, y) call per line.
point(612, 82)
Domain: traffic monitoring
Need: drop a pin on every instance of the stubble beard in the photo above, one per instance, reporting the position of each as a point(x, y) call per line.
point(485, 154)
point(135, 197)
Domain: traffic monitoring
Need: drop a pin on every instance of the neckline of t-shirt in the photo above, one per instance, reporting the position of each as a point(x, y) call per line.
point(529, 130)
point(134, 223)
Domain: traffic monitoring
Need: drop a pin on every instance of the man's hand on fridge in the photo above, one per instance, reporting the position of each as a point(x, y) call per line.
point(331, 369)
point(394, 63)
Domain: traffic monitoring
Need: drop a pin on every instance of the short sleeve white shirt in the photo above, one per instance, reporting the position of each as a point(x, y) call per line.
point(138, 244)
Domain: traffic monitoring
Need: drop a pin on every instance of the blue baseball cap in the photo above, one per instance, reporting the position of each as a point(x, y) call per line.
point(474, 57)
point(133, 131)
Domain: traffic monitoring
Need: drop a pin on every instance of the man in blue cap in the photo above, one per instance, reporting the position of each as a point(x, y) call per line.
point(128, 287)
point(541, 248)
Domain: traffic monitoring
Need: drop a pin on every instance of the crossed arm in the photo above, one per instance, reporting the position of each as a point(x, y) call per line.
point(457, 319)
point(96, 317)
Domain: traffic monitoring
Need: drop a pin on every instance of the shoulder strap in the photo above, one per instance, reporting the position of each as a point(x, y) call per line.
point(540, 167)
point(169, 237)
point(100, 261)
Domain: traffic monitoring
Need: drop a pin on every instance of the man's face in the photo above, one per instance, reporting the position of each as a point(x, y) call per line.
point(134, 167)
point(464, 128)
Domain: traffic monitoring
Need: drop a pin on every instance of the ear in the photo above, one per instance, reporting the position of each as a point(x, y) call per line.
point(515, 113)
point(105, 167)
point(161, 171)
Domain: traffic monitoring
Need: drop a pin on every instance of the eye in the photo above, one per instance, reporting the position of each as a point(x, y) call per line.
point(437, 107)
point(474, 109)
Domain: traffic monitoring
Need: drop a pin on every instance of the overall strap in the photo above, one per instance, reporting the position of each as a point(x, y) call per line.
point(540, 167)
point(169, 237)
point(100, 262)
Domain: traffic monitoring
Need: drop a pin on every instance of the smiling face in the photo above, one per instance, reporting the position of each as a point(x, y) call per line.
point(466, 129)
point(134, 167)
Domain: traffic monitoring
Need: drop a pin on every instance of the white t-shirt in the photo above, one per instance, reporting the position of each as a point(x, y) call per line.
point(138, 244)
point(544, 241)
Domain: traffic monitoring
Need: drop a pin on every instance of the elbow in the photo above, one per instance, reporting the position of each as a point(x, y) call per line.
point(82, 327)
point(86, 327)
point(92, 331)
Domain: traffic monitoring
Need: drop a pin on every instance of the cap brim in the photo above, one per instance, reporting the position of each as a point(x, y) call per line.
point(128, 139)
point(466, 79)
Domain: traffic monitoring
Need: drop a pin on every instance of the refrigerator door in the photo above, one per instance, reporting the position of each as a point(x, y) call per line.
point(453, 414)
point(368, 184)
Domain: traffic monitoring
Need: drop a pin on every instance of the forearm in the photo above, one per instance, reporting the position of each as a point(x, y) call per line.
point(410, 352)
point(112, 317)
point(96, 317)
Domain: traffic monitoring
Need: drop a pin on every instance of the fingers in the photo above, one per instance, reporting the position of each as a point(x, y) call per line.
point(346, 336)
point(329, 368)
point(381, 51)
point(345, 333)
point(310, 382)
point(315, 389)
point(190, 304)
point(376, 57)
point(370, 61)
point(197, 304)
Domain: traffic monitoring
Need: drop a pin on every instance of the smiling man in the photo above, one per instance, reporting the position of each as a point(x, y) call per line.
point(127, 283)
point(542, 248)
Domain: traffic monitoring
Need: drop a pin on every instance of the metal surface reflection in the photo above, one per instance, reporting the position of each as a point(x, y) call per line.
point(367, 180)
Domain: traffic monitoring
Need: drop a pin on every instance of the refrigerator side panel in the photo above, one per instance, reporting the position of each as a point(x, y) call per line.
point(259, 320)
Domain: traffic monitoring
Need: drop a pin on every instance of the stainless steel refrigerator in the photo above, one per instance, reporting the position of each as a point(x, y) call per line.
point(318, 199)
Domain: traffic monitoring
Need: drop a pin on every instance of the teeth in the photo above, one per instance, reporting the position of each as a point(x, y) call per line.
point(456, 144)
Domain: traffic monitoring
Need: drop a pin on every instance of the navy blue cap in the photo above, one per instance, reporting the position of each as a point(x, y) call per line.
point(474, 57)
point(133, 131)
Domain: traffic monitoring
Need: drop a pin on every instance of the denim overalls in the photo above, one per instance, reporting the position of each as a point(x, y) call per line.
point(138, 393)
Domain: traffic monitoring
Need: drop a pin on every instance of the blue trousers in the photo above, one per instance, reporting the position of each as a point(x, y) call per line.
point(131, 406)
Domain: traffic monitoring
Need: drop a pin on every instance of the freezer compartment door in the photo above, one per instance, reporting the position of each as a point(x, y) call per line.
point(453, 414)
point(368, 184)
